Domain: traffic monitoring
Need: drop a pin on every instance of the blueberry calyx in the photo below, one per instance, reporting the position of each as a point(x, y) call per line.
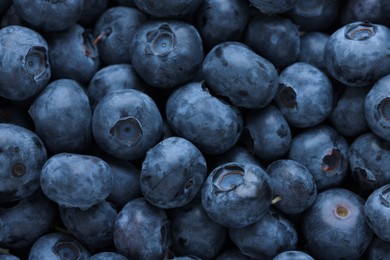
point(342, 212)
point(128, 130)
point(384, 196)
point(36, 62)
point(160, 42)
point(288, 96)
point(360, 31)
point(67, 250)
point(331, 161)
point(18, 170)
point(89, 46)
point(229, 177)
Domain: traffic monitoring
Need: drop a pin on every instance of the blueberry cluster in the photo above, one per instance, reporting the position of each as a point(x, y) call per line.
point(194, 129)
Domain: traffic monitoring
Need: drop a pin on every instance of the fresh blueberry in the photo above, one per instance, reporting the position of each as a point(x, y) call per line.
point(335, 226)
point(234, 71)
point(142, 231)
point(293, 255)
point(92, 9)
point(126, 123)
point(357, 53)
point(167, 8)
point(172, 173)
point(211, 124)
point(74, 180)
point(378, 249)
point(232, 254)
point(114, 31)
point(25, 63)
point(305, 95)
point(107, 256)
point(236, 195)
point(361, 10)
point(74, 112)
point(22, 156)
point(313, 48)
point(273, 6)
point(166, 54)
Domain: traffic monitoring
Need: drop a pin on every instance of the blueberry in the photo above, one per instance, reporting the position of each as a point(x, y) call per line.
point(25, 63)
point(360, 10)
point(92, 9)
point(74, 112)
point(312, 49)
point(234, 71)
point(74, 180)
point(236, 195)
point(305, 95)
point(357, 53)
point(167, 8)
point(378, 249)
point(22, 156)
point(211, 124)
point(126, 123)
point(335, 226)
point(4, 256)
point(107, 256)
point(114, 31)
point(172, 173)
point(272, 6)
point(293, 255)
point(166, 54)
point(142, 231)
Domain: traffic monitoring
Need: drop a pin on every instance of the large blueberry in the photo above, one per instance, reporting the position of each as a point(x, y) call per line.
point(25, 63)
point(273, 6)
point(126, 123)
point(167, 8)
point(234, 71)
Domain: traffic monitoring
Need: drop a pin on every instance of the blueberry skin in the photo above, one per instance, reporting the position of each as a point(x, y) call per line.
point(272, 6)
point(50, 16)
point(22, 157)
point(335, 227)
point(211, 124)
point(107, 256)
point(368, 158)
point(265, 238)
point(92, 9)
point(74, 111)
point(142, 231)
point(58, 246)
point(172, 173)
point(114, 30)
point(94, 226)
point(126, 123)
point(166, 54)
point(234, 71)
point(305, 95)
point(378, 249)
point(25, 63)
point(324, 152)
point(293, 255)
point(313, 48)
point(278, 41)
point(377, 108)
point(74, 180)
point(26, 221)
point(356, 54)
point(232, 254)
point(5, 256)
point(348, 116)
point(222, 20)
point(72, 54)
point(167, 8)
point(267, 133)
point(377, 209)
point(293, 186)
point(236, 195)
point(360, 10)
point(193, 232)
point(111, 78)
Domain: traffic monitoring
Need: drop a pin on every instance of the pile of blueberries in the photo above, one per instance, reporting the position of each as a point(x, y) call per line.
point(194, 129)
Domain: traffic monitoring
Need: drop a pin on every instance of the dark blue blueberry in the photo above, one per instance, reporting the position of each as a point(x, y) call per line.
point(22, 156)
point(93, 226)
point(273, 6)
point(377, 108)
point(72, 54)
point(194, 233)
point(74, 180)
point(142, 231)
point(6, 256)
point(63, 103)
point(58, 246)
point(172, 173)
point(167, 8)
point(111, 78)
point(234, 71)
point(348, 116)
point(305, 95)
point(357, 53)
point(377, 212)
point(267, 237)
point(126, 123)
point(25, 63)
point(368, 159)
point(166, 54)
point(362, 10)
point(267, 133)
point(92, 9)
point(293, 186)
point(325, 154)
point(107, 256)
point(114, 31)
point(232, 254)
point(378, 249)
point(222, 20)
point(274, 38)
point(236, 195)
point(211, 124)
point(313, 48)
point(50, 16)
point(24, 222)
point(293, 255)
point(335, 227)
